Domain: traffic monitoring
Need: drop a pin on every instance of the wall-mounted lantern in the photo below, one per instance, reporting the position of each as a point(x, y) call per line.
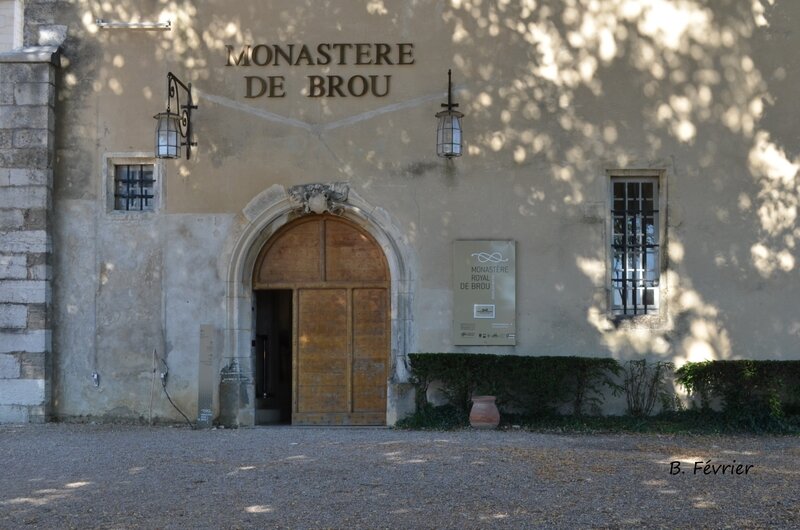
point(174, 130)
point(448, 131)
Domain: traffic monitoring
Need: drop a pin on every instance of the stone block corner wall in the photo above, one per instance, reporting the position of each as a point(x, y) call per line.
point(27, 124)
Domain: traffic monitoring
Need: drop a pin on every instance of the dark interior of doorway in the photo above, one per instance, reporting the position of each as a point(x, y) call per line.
point(273, 357)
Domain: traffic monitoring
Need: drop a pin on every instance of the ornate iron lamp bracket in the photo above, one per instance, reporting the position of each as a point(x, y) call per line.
point(173, 93)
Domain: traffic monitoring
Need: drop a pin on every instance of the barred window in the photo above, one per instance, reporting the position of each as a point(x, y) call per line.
point(134, 187)
point(634, 246)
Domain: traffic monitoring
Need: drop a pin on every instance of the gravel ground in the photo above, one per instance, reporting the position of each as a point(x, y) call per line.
point(111, 476)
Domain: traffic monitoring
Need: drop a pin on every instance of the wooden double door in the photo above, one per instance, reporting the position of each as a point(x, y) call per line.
point(340, 318)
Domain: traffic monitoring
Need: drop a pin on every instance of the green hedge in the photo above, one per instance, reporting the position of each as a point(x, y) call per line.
point(752, 391)
point(533, 386)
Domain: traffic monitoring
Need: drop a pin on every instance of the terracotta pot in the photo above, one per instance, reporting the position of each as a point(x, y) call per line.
point(484, 413)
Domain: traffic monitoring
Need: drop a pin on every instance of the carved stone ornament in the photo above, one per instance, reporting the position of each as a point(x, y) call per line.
point(320, 198)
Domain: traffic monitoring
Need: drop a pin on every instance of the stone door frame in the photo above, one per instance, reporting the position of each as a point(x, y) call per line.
point(258, 222)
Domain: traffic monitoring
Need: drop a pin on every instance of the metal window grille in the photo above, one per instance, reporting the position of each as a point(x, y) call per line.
point(133, 187)
point(635, 246)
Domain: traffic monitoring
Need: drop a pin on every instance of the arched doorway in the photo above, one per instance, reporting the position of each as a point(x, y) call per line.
point(322, 290)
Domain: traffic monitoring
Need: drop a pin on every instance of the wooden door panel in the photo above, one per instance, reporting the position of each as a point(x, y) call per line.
point(350, 255)
point(368, 372)
point(324, 399)
point(335, 378)
point(322, 350)
point(369, 399)
point(295, 256)
point(370, 349)
point(341, 329)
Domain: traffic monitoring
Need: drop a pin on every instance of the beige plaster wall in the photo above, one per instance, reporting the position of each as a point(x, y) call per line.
point(555, 95)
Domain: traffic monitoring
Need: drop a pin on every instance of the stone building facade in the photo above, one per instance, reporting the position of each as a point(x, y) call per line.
point(27, 147)
point(632, 164)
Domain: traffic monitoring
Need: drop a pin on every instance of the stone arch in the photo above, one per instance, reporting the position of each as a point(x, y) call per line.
point(259, 221)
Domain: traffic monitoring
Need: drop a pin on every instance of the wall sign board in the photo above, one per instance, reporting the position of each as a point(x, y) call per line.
point(484, 293)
